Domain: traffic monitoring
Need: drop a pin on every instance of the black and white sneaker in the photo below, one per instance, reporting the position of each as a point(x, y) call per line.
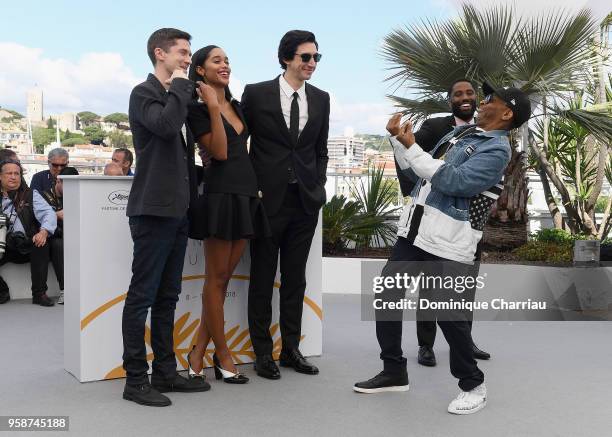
point(383, 382)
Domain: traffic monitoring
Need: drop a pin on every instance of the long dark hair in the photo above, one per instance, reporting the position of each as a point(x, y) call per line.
point(18, 196)
point(197, 60)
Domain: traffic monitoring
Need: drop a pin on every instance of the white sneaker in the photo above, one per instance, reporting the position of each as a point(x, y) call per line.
point(60, 299)
point(469, 402)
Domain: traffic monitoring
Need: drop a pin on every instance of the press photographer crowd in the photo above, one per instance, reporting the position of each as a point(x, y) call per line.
point(32, 218)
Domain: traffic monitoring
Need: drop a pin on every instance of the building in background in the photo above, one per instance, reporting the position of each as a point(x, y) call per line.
point(35, 105)
point(345, 152)
point(66, 121)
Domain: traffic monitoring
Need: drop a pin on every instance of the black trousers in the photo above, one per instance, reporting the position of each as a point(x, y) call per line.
point(292, 232)
point(425, 320)
point(157, 268)
point(39, 258)
point(454, 323)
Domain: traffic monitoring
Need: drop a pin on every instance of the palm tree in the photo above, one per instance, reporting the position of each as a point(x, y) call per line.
point(375, 200)
point(546, 56)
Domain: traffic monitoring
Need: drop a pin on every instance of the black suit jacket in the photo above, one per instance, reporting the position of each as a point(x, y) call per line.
point(431, 131)
point(164, 183)
point(273, 151)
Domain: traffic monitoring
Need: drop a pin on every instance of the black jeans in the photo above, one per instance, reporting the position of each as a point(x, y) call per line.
point(426, 322)
point(157, 268)
point(39, 258)
point(292, 232)
point(454, 323)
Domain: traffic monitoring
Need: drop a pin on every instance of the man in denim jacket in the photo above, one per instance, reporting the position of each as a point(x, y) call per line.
point(438, 231)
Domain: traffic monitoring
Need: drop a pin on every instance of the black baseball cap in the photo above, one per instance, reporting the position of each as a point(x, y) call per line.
point(516, 100)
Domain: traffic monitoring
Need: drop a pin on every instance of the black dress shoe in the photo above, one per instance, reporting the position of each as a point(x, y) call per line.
point(266, 367)
point(179, 384)
point(144, 394)
point(426, 356)
point(4, 298)
point(43, 300)
point(295, 359)
point(480, 354)
point(383, 382)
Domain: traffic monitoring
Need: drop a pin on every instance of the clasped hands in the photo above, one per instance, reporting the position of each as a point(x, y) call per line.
point(403, 132)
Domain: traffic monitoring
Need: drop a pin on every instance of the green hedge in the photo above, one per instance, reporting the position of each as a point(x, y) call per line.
point(546, 251)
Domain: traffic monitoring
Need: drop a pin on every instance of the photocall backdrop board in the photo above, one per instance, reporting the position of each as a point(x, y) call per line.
point(98, 260)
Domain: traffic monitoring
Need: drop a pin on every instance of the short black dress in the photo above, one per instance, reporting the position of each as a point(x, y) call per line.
point(230, 207)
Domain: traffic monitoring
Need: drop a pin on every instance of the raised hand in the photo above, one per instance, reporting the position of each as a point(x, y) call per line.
point(406, 136)
point(207, 94)
point(393, 125)
point(178, 73)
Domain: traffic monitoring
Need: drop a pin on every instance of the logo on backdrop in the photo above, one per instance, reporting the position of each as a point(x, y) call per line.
point(117, 201)
point(119, 197)
point(186, 327)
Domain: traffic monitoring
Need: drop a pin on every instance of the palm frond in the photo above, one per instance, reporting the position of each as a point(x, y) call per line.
point(550, 51)
point(597, 124)
point(376, 199)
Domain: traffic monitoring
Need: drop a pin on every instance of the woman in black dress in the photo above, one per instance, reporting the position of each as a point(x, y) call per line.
point(230, 211)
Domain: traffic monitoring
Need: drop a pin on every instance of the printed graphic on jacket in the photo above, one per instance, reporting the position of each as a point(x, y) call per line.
point(480, 206)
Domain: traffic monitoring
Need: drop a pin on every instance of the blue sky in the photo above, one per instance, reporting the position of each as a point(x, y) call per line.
point(88, 55)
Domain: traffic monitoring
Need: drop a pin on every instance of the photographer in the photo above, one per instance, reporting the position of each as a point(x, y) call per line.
point(30, 224)
point(55, 199)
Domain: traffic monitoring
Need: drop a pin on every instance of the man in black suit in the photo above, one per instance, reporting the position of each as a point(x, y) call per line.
point(161, 192)
point(289, 122)
point(462, 102)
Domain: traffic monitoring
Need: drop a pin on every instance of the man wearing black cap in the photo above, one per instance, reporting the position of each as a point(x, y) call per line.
point(438, 231)
point(462, 101)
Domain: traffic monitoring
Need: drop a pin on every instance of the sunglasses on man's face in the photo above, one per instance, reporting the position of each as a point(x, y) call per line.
point(57, 165)
point(307, 56)
point(489, 98)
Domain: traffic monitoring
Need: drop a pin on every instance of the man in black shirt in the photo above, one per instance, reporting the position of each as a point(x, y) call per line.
point(55, 198)
point(58, 159)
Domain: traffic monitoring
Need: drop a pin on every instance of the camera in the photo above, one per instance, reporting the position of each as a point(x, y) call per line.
point(4, 222)
point(19, 242)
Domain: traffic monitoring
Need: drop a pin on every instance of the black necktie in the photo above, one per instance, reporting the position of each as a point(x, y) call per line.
point(294, 119)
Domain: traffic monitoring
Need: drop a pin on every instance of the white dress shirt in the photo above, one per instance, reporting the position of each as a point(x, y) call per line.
point(461, 122)
point(286, 97)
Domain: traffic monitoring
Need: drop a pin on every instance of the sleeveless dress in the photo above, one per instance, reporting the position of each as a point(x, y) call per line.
point(230, 207)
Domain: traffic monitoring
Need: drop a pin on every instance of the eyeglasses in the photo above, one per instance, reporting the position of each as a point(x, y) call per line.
point(307, 56)
point(54, 165)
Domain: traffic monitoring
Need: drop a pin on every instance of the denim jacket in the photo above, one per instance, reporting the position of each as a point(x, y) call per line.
point(470, 168)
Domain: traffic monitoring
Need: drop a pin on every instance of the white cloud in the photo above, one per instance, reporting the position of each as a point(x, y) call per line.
point(361, 118)
point(100, 82)
point(528, 8)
